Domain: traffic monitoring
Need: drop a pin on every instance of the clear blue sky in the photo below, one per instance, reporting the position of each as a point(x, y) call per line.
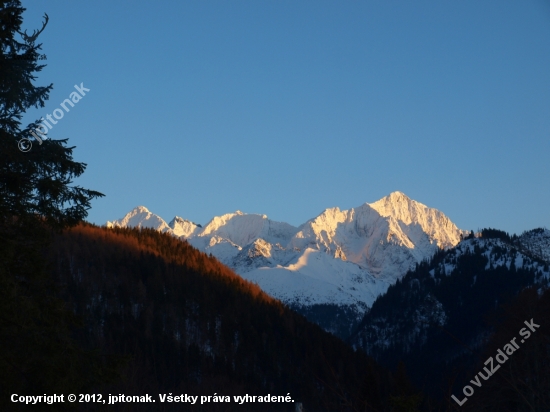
point(285, 108)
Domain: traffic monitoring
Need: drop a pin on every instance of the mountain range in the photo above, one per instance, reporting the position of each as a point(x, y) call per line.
point(335, 264)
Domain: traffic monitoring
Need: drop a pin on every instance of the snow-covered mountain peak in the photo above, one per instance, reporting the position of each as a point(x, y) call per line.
point(232, 222)
point(431, 221)
point(386, 237)
point(242, 229)
point(140, 209)
point(183, 227)
point(397, 196)
point(178, 219)
point(141, 217)
point(399, 206)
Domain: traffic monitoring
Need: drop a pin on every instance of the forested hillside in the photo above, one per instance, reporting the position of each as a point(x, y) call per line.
point(522, 382)
point(440, 318)
point(181, 322)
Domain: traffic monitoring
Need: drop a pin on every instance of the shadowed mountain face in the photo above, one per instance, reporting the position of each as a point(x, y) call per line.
point(341, 259)
point(436, 317)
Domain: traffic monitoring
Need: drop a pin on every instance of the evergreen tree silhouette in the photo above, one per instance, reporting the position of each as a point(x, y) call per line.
point(37, 351)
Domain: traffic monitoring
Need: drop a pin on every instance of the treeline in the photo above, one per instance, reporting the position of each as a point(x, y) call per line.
point(176, 320)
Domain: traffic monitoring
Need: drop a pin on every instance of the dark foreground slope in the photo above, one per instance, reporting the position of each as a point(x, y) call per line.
point(184, 324)
point(445, 318)
point(522, 381)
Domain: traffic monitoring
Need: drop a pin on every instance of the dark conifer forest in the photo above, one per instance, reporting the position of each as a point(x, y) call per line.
point(159, 316)
point(450, 314)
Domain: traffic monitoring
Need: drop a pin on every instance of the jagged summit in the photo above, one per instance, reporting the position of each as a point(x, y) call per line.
point(182, 227)
point(398, 205)
point(386, 237)
point(181, 220)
